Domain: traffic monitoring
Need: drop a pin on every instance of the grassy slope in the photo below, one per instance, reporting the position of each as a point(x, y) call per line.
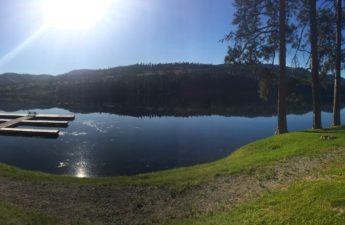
point(316, 201)
point(14, 216)
point(319, 201)
point(11, 215)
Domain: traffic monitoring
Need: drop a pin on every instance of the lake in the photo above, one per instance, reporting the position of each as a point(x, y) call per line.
point(104, 144)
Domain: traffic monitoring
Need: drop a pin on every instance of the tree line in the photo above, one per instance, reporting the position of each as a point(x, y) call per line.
point(311, 28)
point(167, 86)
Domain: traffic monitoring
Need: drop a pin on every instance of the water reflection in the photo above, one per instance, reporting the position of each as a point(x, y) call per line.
point(61, 165)
point(81, 170)
point(73, 133)
point(142, 108)
point(80, 165)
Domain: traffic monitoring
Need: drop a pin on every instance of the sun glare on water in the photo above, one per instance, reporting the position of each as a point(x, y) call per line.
point(74, 14)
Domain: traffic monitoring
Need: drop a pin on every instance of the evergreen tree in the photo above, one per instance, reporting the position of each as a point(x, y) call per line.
point(337, 79)
point(282, 126)
point(313, 35)
point(261, 29)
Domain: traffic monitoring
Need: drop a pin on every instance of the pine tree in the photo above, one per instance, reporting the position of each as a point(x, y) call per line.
point(261, 29)
point(281, 111)
point(337, 79)
point(313, 35)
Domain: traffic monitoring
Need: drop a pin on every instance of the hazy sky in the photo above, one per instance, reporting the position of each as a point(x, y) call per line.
point(129, 31)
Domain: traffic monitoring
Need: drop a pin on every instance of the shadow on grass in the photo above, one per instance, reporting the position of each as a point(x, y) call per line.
point(332, 130)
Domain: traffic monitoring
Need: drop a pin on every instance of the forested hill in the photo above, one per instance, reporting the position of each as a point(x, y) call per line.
point(155, 85)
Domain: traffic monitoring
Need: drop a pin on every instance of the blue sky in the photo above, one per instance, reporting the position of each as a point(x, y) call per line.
point(130, 31)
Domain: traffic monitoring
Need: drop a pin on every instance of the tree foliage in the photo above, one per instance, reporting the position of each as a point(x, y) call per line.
point(255, 39)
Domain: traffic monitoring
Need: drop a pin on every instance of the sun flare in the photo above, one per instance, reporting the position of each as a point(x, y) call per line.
point(74, 14)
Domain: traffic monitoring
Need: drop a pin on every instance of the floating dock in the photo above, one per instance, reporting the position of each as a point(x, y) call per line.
point(38, 116)
point(38, 123)
point(10, 122)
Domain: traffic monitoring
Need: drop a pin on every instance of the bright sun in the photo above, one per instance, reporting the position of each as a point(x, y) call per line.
point(74, 14)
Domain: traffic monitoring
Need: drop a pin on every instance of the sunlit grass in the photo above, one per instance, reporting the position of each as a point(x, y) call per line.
point(318, 201)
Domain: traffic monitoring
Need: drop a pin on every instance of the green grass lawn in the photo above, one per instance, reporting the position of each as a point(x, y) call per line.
point(316, 201)
point(13, 216)
point(320, 201)
point(10, 215)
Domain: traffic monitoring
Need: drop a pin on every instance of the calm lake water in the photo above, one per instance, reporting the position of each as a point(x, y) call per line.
point(102, 144)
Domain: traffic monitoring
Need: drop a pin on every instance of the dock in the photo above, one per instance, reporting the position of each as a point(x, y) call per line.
point(38, 123)
point(38, 116)
point(29, 132)
point(10, 122)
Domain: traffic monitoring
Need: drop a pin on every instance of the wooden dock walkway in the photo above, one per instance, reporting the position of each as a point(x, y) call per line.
point(9, 122)
point(38, 123)
point(39, 116)
point(30, 132)
point(14, 122)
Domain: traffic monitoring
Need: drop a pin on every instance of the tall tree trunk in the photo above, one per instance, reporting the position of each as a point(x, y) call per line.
point(336, 97)
point(315, 66)
point(281, 111)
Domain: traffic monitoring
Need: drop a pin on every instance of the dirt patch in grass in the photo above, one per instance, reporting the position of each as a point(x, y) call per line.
point(111, 204)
